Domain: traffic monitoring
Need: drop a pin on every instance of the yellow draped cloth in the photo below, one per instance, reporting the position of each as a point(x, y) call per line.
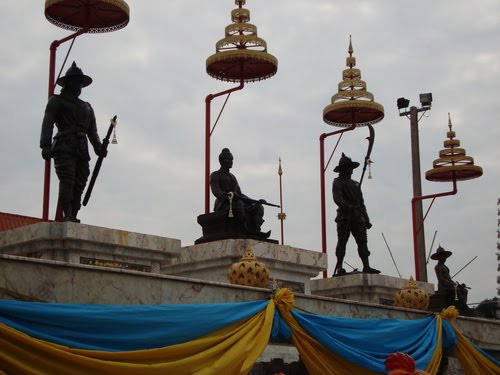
point(472, 360)
point(321, 361)
point(231, 350)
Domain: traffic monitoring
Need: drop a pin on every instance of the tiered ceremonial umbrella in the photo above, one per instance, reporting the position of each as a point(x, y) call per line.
point(351, 107)
point(452, 165)
point(241, 56)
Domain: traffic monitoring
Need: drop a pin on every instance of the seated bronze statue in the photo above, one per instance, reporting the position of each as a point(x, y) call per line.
point(235, 214)
point(449, 292)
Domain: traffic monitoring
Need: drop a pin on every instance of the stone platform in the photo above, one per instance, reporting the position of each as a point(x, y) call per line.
point(86, 244)
point(288, 266)
point(364, 287)
point(49, 262)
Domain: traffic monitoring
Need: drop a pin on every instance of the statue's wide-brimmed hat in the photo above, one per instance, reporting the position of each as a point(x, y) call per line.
point(441, 254)
point(344, 163)
point(74, 73)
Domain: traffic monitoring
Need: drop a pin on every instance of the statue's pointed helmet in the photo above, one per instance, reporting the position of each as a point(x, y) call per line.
point(345, 162)
point(74, 73)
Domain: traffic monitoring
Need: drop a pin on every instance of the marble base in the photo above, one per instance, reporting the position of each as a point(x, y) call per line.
point(91, 245)
point(364, 287)
point(288, 266)
point(32, 279)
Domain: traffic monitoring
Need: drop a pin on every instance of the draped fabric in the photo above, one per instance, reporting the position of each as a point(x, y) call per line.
point(227, 338)
point(122, 328)
point(232, 350)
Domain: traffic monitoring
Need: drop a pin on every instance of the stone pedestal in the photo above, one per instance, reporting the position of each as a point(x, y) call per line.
point(218, 226)
point(85, 244)
point(364, 287)
point(288, 266)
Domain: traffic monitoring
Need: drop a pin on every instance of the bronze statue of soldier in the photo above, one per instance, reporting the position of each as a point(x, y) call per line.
point(248, 212)
point(76, 123)
point(352, 217)
point(456, 293)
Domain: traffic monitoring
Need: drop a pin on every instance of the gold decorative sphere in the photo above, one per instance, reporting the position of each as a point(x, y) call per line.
point(411, 297)
point(249, 271)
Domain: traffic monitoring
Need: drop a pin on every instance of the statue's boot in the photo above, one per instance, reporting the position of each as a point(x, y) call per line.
point(258, 221)
point(338, 267)
point(264, 234)
point(75, 219)
point(67, 212)
point(366, 266)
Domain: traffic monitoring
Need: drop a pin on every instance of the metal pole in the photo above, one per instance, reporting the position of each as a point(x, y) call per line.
point(419, 234)
point(208, 101)
point(281, 215)
point(414, 203)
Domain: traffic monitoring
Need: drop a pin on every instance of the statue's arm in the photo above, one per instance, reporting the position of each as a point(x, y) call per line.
point(49, 118)
point(339, 196)
point(215, 186)
point(238, 192)
point(362, 207)
point(92, 133)
point(443, 276)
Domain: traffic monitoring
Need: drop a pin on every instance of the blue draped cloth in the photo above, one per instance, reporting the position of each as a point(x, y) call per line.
point(122, 327)
point(368, 342)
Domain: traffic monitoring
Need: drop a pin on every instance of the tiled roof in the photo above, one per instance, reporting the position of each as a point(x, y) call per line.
point(12, 221)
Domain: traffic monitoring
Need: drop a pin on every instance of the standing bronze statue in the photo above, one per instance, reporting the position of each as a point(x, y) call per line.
point(352, 217)
point(454, 292)
point(75, 122)
point(248, 212)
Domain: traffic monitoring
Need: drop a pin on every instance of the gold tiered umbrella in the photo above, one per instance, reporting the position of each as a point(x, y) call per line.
point(453, 163)
point(352, 104)
point(241, 55)
point(99, 16)
point(351, 107)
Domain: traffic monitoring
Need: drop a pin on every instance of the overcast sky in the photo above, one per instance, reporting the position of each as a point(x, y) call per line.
point(152, 75)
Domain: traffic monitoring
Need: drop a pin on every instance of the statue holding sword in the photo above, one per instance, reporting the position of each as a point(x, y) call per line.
point(76, 125)
point(248, 212)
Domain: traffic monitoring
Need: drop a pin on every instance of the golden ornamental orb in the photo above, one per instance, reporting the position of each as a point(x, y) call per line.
point(352, 104)
point(100, 16)
point(411, 297)
point(248, 271)
point(453, 164)
point(241, 55)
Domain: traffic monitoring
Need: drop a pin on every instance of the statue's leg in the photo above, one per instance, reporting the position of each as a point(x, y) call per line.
point(359, 233)
point(81, 177)
point(65, 166)
point(343, 233)
point(240, 216)
point(462, 294)
point(256, 219)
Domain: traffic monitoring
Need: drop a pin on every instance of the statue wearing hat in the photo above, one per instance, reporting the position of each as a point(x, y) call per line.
point(352, 217)
point(456, 293)
point(76, 123)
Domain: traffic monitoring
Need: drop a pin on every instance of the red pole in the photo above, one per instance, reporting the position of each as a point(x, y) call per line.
point(52, 69)
point(208, 132)
point(322, 184)
point(416, 225)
